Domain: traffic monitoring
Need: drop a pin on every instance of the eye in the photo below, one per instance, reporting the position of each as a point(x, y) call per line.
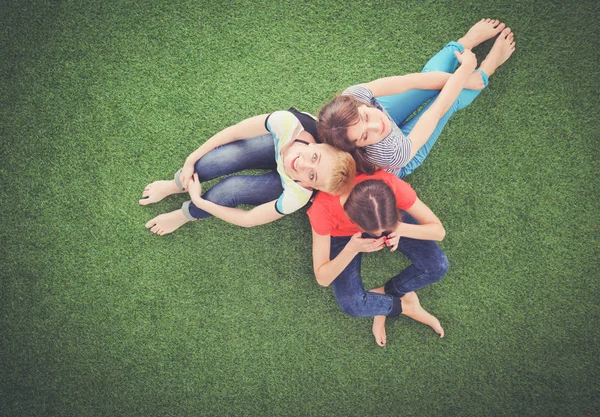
point(311, 175)
point(366, 117)
point(314, 157)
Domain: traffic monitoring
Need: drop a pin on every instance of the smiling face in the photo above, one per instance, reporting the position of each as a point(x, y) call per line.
point(309, 165)
point(372, 126)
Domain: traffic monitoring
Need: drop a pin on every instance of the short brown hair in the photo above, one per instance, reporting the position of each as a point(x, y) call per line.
point(335, 118)
point(372, 206)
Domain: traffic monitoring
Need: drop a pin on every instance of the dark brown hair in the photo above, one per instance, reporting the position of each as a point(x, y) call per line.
point(372, 206)
point(335, 118)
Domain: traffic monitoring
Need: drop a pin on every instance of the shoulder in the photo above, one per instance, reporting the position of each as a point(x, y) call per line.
point(293, 197)
point(403, 191)
point(307, 120)
point(280, 119)
point(320, 214)
point(392, 152)
point(360, 92)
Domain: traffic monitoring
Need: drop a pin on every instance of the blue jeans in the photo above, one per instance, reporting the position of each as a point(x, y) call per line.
point(400, 106)
point(254, 190)
point(429, 265)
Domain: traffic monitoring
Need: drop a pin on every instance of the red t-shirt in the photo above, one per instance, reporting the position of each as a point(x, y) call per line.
point(327, 215)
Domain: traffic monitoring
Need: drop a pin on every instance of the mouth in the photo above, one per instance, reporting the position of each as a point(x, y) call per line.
point(294, 164)
point(382, 126)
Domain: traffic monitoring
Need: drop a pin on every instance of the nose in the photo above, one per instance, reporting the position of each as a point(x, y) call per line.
point(305, 163)
point(374, 126)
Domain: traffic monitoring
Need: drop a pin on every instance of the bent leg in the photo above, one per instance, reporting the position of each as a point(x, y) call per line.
point(400, 106)
point(350, 292)
point(251, 153)
point(429, 264)
point(465, 98)
point(252, 190)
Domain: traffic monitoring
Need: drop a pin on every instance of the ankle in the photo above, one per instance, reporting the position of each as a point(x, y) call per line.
point(487, 67)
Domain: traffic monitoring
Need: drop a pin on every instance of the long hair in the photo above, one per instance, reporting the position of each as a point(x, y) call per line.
point(372, 206)
point(335, 118)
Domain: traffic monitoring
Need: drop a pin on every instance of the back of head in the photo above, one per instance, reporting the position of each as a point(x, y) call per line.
point(342, 173)
point(335, 118)
point(372, 206)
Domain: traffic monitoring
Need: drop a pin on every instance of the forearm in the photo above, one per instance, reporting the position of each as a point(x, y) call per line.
point(244, 218)
point(401, 83)
point(427, 231)
point(450, 91)
point(330, 270)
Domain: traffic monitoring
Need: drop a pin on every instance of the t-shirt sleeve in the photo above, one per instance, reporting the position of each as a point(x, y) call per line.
point(405, 195)
point(360, 92)
point(290, 201)
point(391, 154)
point(283, 125)
point(320, 219)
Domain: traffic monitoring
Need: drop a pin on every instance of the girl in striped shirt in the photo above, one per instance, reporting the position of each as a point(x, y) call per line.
point(370, 120)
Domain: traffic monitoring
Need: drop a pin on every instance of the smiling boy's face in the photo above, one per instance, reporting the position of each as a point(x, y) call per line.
point(309, 165)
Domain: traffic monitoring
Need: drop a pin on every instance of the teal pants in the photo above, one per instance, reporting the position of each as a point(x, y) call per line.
point(401, 106)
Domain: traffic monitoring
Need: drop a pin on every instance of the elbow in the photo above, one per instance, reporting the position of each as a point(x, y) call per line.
point(247, 220)
point(321, 280)
point(441, 233)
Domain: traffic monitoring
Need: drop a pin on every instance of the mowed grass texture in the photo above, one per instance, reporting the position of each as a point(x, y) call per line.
point(99, 317)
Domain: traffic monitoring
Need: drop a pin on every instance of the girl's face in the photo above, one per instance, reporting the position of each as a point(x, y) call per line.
point(309, 165)
point(372, 126)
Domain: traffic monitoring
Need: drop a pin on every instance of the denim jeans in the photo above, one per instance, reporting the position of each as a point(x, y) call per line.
point(254, 190)
point(429, 265)
point(400, 106)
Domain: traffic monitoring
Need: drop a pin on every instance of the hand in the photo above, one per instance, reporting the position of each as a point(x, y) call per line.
point(186, 175)
point(475, 81)
point(467, 59)
point(358, 244)
point(394, 237)
point(194, 187)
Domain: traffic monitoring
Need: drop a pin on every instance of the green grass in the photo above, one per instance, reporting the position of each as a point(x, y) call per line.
point(98, 317)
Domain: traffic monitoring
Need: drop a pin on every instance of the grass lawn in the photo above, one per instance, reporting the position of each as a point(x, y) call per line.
point(99, 317)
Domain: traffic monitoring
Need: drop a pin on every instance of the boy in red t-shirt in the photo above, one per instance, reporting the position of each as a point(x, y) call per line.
point(373, 207)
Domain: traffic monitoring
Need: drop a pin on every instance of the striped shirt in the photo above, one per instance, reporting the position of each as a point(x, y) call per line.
point(393, 151)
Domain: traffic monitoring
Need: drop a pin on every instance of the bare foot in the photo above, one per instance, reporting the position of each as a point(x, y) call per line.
point(158, 190)
point(167, 223)
point(503, 48)
point(379, 330)
point(411, 307)
point(481, 31)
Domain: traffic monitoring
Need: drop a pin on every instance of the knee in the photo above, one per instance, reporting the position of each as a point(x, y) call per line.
point(438, 266)
point(353, 306)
